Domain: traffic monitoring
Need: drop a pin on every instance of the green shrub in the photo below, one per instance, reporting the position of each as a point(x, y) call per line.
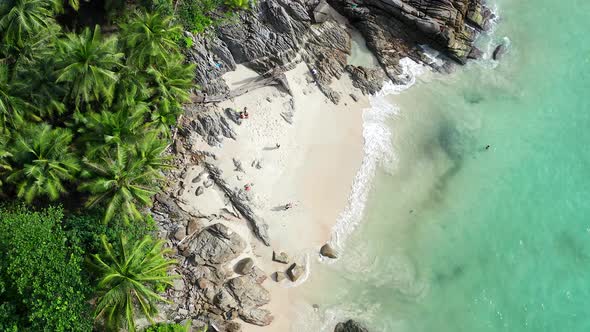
point(169, 327)
point(41, 286)
point(238, 4)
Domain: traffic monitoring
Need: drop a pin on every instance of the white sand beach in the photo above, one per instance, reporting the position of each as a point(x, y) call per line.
point(318, 157)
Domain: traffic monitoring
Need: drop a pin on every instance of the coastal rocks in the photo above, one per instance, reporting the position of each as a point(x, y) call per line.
point(295, 272)
point(328, 251)
point(499, 51)
point(350, 326)
point(212, 126)
point(180, 233)
point(215, 244)
point(244, 266)
point(259, 227)
point(368, 80)
point(279, 276)
point(199, 191)
point(245, 295)
point(280, 257)
point(394, 29)
point(257, 316)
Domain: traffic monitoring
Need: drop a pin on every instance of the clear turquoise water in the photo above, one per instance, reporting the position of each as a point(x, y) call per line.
point(456, 238)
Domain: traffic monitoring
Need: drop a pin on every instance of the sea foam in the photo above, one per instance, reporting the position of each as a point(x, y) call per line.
point(378, 151)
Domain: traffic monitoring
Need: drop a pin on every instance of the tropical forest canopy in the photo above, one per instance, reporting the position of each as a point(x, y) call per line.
point(90, 92)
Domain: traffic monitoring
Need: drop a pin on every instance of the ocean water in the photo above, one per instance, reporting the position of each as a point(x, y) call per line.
point(455, 237)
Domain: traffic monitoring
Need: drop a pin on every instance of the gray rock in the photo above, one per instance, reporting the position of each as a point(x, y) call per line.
point(199, 191)
point(180, 233)
point(279, 276)
point(280, 257)
point(244, 266)
point(295, 272)
point(350, 326)
point(257, 316)
point(216, 244)
point(259, 227)
point(233, 115)
point(237, 165)
point(475, 53)
point(257, 275)
point(354, 97)
point(328, 251)
point(193, 226)
point(499, 51)
point(178, 285)
point(233, 327)
point(368, 80)
point(247, 292)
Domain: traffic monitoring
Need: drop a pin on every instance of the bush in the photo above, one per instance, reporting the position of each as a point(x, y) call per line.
point(168, 327)
point(41, 286)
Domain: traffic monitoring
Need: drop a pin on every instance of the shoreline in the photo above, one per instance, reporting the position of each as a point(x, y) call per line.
point(319, 156)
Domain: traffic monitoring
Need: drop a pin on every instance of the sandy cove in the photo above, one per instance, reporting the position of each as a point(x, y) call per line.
point(318, 157)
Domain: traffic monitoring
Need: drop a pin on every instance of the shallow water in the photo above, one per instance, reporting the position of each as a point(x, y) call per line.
point(459, 238)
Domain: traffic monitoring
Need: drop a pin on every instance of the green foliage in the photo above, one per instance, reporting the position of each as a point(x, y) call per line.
point(129, 276)
point(41, 288)
point(196, 16)
point(87, 66)
point(238, 4)
point(122, 181)
point(149, 39)
point(21, 19)
point(170, 327)
point(43, 162)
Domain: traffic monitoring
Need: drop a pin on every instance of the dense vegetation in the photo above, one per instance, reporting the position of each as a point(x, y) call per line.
point(86, 114)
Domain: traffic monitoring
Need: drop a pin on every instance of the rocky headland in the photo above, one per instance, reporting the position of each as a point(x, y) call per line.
point(246, 203)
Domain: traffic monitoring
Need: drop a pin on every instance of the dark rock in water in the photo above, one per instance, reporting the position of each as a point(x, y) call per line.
point(499, 51)
point(216, 244)
point(350, 326)
point(199, 191)
point(295, 272)
point(475, 53)
point(368, 80)
point(280, 257)
point(328, 251)
point(244, 266)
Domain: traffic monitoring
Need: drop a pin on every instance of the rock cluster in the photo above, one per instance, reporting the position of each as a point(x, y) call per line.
point(350, 326)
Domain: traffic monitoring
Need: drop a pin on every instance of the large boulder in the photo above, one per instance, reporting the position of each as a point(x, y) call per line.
point(256, 316)
point(247, 292)
point(215, 244)
point(328, 251)
point(350, 326)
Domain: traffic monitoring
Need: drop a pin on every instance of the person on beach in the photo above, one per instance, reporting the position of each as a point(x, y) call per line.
point(248, 186)
point(288, 206)
point(246, 115)
point(277, 146)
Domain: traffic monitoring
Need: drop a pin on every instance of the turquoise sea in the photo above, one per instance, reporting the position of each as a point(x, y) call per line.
point(455, 237)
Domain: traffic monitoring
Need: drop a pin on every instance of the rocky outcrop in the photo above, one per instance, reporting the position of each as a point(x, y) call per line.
point(368, 80)
point(395, 29)
point(350, 326)
point(259, 227)
point(215, 244)
point(327, 251)
point(245, 295)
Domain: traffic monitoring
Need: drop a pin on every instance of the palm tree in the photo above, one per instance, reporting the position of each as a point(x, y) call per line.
point(21, 19)
point(87, 63)
point(150, 150)
point(121, 181)
point(4, 155)
point(149, 38)
point(43, 161)
point(125, 125)
point(130, 274)
point(12, 106)
point(169, 85)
